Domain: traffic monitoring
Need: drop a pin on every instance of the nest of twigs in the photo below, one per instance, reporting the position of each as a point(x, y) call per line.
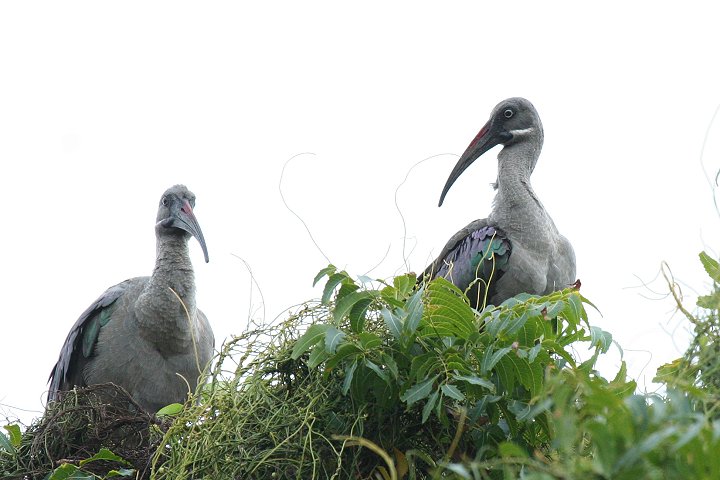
point(80, 423)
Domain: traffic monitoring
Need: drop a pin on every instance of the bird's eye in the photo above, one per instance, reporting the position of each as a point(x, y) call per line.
point(508, 113)
point(164, 201)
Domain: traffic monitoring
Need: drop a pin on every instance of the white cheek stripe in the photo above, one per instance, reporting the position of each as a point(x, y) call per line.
point(523, 131)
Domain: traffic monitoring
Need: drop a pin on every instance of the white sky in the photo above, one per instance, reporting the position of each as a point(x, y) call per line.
point(103, 105)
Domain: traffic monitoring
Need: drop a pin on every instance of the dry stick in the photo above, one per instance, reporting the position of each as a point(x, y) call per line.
point(397, 206)
point(282, 173)
point(702, 156)
point(257, 285)
point(192, 334)
point(387, 252)
point(673, 291)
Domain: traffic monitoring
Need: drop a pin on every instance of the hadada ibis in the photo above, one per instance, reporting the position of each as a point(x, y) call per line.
point(145, 334)
point(517, 248)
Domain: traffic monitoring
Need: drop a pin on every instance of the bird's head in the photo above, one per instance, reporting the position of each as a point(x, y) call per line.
point(511, 121)
point(175, 215)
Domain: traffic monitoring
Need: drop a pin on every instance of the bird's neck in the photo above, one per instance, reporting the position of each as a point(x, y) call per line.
point(516, 207)
point(172, 263)
point(167, 304)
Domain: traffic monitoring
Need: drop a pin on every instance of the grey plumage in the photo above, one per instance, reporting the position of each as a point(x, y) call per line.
point(138, 334)
point(524, 250)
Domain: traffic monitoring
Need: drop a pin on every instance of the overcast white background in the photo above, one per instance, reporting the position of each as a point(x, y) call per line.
point(104, 105)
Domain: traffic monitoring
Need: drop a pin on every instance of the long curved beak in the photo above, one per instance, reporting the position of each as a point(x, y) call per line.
point(186, 220)
point(486, 139)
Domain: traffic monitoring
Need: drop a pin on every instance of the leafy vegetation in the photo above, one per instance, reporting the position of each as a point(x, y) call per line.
point(392, 380)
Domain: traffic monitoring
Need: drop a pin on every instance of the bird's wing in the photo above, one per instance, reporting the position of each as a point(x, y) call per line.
point(206, 340)
point(472, 259)
point(562, 271)
point(80, 342)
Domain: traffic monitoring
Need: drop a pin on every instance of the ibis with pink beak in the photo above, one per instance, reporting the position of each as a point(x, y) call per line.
point(145, 334)
point(517, 248)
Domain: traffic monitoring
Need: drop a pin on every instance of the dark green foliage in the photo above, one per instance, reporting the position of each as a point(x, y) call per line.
point(697, 372)
point(371, 381)
point(422, 359)
point(601, 430)
point(383, 380)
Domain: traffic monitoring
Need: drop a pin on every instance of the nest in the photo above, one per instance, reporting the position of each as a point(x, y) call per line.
point(262, 414)
point(83, 421)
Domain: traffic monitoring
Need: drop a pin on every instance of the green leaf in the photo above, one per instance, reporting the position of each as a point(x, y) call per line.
point(123, 472)
point(391, 365)
point(318, 355)
point(649, 443)
point(711, 301)
point(389, 294)
point(555, 309)
point(357, 314)
point(573, 310)
point(5, 444)
point(475, 380)
point(393, 323)
point(104, 454)
point(415, 311)
point(427, 409)
point(333, 338)
point(378, 371)
point(516, 324)
point(404, 285)
point(496, 322)
point(329, 270)
point(456, 362)
point(423, 364)
point(349, 373)
point(65, 471)
point(511, 450)
point(712, 267)
point(506, 375)
point(346, 288)
point(600, 338)
point(332, 282)
point(533, 352)
point(313, 335)
point(419, 391)
point(453, 392)
point(665, 373)
point(369, 341)
point(346, 303)
point(530, 375)
point(577, 300)
point(447, 311)
point(343, 351)
point(587, 302)
point(490, 359)
point(15, 434)
point(170, 410)
point(481, 407)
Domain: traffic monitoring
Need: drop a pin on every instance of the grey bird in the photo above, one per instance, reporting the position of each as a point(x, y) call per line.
point(517, 248)
point(145, 334)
